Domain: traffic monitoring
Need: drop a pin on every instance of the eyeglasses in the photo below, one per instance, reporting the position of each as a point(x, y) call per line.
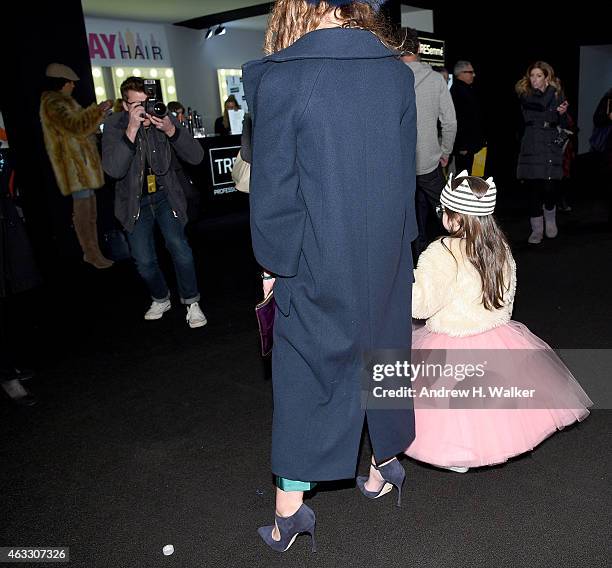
point(440, 211)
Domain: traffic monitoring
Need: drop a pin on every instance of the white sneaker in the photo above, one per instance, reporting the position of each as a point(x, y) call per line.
point(157, 310)
point(195, 316)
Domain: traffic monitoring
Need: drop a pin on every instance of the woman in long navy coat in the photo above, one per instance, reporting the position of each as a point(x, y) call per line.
point(332, 217)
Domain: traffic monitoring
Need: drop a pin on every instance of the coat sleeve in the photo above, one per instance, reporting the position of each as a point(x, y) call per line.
point(185, 145)
point(433, 279)
point(82, 122)
point(448, 119)
point(278, 212)
point(460, 112)
point(117, 151)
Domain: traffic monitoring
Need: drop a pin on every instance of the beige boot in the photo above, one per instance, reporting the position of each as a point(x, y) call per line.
point(84, 218)
point(550, 222)
point(537, 230)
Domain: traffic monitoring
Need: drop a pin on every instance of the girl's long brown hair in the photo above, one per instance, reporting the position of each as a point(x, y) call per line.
point(486, 246)
point(523, 86)
point(291, 19)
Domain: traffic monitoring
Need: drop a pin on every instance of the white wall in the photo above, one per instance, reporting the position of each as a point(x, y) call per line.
point(417, 18)
point(196, 61)
point(595, 80)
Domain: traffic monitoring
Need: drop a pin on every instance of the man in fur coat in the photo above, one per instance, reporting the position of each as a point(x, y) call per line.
point(69, 133)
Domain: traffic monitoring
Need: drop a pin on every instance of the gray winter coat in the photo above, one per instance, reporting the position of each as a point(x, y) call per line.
point(433, 102)
point(125, 161)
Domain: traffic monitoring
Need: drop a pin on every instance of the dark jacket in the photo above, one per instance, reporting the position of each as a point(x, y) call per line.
point(332, 214)
point(470, 127)
point(539, 157)
point(18, 270)
point(124, 161)
point(245, 141)
point(602, 124)
point(220, 127)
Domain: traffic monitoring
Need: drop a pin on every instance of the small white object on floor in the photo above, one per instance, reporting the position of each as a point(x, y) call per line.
point(14, 388)
point(168, 550)
point(457, 469)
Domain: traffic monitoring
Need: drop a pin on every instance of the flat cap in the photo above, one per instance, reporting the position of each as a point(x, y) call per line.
point(59, 71)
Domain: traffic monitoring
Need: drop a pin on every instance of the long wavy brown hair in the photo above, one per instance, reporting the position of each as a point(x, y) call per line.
point(292, 19)
point(487, 247)
point(523, 86)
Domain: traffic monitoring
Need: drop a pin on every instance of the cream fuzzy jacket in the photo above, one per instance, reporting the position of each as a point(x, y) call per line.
point(69, 138)
point(447, 292)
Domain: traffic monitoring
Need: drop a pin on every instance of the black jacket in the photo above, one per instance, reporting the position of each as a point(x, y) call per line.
point(124, 161)
point(18, 271)
point(470, 127)
point(540, 157)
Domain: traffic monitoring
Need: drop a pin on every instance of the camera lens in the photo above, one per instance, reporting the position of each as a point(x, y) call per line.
point(160, 109)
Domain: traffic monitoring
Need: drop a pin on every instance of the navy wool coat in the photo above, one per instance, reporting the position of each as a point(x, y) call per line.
point(332, 215)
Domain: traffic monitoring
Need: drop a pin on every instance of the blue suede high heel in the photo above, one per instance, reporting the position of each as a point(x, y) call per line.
point(393, 474)
point(302, 521)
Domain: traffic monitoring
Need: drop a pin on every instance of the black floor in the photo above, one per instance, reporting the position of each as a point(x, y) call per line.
point(150, 433)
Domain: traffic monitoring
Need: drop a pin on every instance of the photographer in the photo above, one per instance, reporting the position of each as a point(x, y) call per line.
point(139, 149)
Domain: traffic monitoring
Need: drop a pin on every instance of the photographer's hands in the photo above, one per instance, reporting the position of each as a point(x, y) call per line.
point(137, 117)
point(163, 124)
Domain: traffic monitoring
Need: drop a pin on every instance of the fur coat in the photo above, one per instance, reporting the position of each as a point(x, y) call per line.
point(69, 131)
point(447, 292)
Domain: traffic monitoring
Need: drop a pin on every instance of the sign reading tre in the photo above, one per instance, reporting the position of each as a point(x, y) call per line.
point(221, 166)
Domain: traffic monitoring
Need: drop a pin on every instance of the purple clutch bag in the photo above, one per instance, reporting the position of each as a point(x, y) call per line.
point(265, 319)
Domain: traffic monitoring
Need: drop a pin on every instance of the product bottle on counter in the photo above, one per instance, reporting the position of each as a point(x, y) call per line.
point(189, 120)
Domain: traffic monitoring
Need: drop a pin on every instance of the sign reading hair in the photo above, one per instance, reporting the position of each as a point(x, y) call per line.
point(113, 42)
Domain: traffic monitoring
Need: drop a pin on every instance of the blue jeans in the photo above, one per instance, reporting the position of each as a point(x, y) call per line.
point(155, 208)
point(82, 194)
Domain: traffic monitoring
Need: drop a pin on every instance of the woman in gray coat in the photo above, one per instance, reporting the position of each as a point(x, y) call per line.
point(540, 161)
point(332, 219)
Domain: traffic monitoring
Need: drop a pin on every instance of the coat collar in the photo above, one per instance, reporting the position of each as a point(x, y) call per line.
point(329, 43)
point(334, 43)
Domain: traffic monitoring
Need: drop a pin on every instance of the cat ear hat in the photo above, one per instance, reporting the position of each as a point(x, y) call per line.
point(462, 200)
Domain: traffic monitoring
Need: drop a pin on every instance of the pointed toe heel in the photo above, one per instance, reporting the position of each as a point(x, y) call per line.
point(302, 521)
point(393, 474)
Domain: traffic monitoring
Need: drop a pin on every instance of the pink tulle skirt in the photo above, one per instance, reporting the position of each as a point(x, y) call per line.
point(473, 437)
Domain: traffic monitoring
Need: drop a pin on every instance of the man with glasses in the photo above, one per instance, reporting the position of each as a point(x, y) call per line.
point(470, 128)
point(140, 151)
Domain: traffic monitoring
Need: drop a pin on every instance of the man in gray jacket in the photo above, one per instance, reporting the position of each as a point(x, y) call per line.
point(434, 103)
point(140, 151)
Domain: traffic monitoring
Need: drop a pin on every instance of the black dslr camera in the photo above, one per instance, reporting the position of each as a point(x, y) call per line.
point(153, 105)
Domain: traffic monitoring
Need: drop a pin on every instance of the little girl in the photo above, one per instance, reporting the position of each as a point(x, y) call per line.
point(464, 287)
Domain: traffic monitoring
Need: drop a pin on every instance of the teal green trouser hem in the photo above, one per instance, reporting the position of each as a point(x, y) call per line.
point(291, 485)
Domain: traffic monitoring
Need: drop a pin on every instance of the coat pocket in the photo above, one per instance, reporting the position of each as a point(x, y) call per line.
point(282, 296)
